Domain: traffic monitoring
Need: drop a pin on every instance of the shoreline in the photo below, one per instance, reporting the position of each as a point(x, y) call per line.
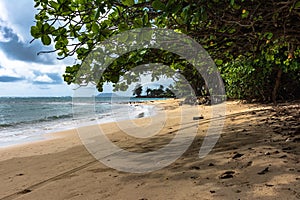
point(249, 161)
point(44, 133)
point(63, 136)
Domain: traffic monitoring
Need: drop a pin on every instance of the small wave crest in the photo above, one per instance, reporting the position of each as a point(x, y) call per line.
point(45, 119)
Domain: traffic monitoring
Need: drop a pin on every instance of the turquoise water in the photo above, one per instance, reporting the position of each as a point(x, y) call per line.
point(27, 119)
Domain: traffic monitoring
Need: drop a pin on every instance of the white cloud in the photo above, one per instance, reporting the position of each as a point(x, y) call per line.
point(44, 79)
point(22, 73)
point(31, 72)
point(27, 69)
point(19, 68)
point(3, 11)
point(8, 72)
point(19, 15)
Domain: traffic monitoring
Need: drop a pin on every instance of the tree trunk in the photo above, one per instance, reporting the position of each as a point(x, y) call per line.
point(276, 86)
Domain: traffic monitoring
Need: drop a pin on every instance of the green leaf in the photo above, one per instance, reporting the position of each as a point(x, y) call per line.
point(35, 32)
point(232, 30)
point(245, 14)
point(45, 27)
point(46, 40)
point(114, 78)
point(95, 28)
point(297, 5)
point(54, 5)
point(123, 26)
point(186, 13)
point(219, 62)
point(128, 2)
point(97, 15)
point(176, 8)
point(81, 52)
point(236, 6)
point(145, 19)
point(158, 5)
point(138, 23)
point(39, 24)
point(170, 4)
point(269, 35)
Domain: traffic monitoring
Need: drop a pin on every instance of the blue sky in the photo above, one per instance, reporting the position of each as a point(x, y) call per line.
point(22, 71)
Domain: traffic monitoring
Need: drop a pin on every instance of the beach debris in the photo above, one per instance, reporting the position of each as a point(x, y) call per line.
point(287, 148)
point(269, 185)
point(237, 155)
point(141, 115)
point(19, 174)
point(264, 171)
point(191, 100)
point(283, 156)
point(24, 191)
point(288, 140)
point(227, 174)
point(195, 168)
point(212, 191)
point(198, 117)
point(248, 164)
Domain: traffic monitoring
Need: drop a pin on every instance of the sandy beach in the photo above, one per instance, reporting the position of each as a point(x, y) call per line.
point(256, 157)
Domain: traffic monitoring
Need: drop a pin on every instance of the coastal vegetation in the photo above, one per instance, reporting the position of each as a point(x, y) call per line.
point(159, 92)
point(254, 44)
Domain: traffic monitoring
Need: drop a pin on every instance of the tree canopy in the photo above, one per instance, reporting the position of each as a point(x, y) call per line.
point(159, 92)
point(138, 90)
point(254, 43)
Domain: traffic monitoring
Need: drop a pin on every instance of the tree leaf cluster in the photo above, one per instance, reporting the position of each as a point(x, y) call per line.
point(250, 40)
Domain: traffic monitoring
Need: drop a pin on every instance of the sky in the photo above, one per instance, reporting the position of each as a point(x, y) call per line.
point(22, 71)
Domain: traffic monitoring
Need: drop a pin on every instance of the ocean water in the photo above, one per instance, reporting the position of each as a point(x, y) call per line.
point(28, 119)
